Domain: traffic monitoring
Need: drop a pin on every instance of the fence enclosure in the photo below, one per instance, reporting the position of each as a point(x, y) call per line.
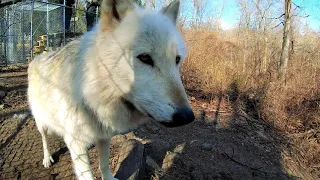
point(33, 27)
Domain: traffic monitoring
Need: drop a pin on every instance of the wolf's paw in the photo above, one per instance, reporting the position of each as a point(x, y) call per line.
point(47, 161)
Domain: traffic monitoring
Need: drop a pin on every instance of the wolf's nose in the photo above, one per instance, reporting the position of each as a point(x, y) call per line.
point(181, 117)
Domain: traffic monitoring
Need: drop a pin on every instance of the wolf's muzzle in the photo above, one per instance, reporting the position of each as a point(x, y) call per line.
point(181, 117)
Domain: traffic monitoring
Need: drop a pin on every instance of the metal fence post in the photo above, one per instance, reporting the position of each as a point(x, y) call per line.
point(47, 26)
point(5, 36)
point(64, 22)
point(31, 30)
point(22, 31)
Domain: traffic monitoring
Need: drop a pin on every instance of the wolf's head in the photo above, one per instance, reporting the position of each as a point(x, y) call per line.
point(142, 50)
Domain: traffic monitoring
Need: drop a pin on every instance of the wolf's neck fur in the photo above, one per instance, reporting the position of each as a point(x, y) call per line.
point(104, 95)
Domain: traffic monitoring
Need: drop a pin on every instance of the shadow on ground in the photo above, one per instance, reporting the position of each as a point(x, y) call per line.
point(216, 146)
point(225, 142)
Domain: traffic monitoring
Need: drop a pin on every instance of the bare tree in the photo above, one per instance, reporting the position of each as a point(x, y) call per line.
point(246, 14)
point(184, 15)
point(199, 12)
point(219, 16)
point(262, 23)
point(286, 40)
point(244, 26)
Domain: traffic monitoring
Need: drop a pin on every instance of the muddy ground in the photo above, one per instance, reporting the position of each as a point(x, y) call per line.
point(223, 143)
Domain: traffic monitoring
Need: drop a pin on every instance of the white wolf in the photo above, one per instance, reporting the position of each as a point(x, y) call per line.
point(114, 78)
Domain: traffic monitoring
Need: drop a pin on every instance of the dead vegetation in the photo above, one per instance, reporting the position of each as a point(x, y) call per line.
point(217, 63)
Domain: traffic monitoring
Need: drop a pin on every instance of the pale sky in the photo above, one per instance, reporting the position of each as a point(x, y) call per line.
point(230, 14)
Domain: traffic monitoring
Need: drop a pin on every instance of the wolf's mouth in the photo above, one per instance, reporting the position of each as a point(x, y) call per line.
point(132, 107)
point(181, 117)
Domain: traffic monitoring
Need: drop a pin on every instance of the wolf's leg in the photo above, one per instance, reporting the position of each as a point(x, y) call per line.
point(47, 158)
point(80, 158)
point(103, 147)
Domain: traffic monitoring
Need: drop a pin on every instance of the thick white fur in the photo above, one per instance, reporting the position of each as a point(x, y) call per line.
point(82, 91)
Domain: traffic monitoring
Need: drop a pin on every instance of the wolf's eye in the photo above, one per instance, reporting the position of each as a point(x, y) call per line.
point(145, 58)
point(178, 58)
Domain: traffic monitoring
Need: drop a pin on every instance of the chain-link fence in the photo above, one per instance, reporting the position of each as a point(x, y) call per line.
point(29, 28)
point(14, 35)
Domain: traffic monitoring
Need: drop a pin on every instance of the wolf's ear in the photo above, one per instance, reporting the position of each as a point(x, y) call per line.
point(113, 11)
point(172, 10)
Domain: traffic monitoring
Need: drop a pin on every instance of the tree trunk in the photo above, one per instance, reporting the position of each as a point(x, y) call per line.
point(286, 41)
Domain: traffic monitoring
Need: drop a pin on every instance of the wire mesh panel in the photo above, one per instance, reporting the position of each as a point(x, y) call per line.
point(2, 31)
point(78, 21)
point(15, 33)
point(30, 28)
point(47, 27)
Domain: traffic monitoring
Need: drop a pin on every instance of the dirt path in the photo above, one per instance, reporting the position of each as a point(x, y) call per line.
point(219, 145)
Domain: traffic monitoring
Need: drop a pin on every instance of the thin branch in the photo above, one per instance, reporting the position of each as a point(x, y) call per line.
point(264, 13)
point(302, 16)
point(233, 160)
point(297, 6)
point(278, 17)
point(278, 25)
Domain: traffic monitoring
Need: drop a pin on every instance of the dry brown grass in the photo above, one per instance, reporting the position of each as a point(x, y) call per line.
point(210, 64)
point(292, 107)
